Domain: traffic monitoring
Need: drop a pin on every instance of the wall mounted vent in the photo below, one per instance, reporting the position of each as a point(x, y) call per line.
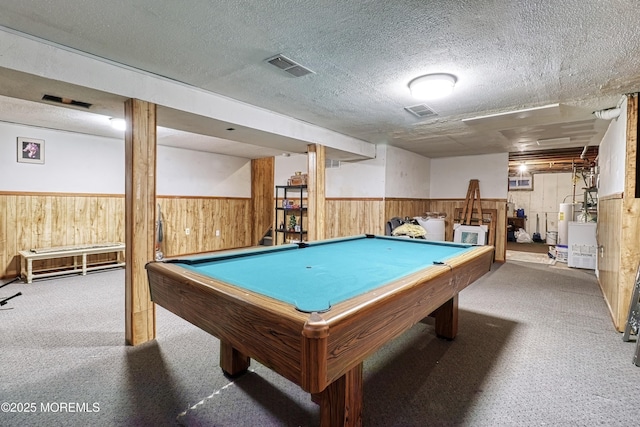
point(66, 101)
point(288, 65)
point(421, 111)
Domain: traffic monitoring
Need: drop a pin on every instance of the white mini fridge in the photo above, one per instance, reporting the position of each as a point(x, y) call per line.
point(582, 247)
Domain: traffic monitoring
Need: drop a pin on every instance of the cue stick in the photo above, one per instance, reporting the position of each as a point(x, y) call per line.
point(4, 301)
point(9, 282)
point(160, 236)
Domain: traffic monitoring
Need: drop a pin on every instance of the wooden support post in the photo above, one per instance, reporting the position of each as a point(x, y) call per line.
point(262, 205)
point(629, 249)
point(140, 215)
point(315, 192)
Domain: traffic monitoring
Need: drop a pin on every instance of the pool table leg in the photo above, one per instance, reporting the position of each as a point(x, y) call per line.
point(341, 402)
point(232, 362)
point(446, 317)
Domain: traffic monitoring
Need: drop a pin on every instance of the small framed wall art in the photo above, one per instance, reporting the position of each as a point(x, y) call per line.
point(30, 150)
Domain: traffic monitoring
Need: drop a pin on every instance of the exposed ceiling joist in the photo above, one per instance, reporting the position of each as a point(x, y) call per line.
point(550, 161)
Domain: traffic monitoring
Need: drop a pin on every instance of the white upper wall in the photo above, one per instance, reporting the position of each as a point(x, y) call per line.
point(399, 173)
point(78, 163)
point(407, 174)
point(286, 166)
point(358, 179)
point(195, 173)
point(73, 163)
point(355, 179)
point(611, 156)
point(450, 176)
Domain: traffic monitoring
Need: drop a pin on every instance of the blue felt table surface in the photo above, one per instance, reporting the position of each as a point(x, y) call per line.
point(326, 272)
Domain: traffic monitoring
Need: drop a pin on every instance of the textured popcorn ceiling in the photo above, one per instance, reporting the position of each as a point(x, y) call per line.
point(570, 56)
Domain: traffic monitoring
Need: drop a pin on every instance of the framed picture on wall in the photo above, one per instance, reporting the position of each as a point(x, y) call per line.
point(30, 150)
point(521, 183)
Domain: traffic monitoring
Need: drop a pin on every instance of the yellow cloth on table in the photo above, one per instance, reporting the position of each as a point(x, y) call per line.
point(412, 230)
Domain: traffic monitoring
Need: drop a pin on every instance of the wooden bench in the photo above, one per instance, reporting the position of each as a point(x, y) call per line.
point(79, 254)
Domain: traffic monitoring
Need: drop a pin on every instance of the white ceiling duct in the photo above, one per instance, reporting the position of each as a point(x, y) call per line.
point(611, 113)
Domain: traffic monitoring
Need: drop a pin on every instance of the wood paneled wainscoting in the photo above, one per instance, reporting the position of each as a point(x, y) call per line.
point(39, 220)
point(30, 220)
point(619, 253)
point(205, 216)
point(346, 217)
point(401, 208)
point(609, 236)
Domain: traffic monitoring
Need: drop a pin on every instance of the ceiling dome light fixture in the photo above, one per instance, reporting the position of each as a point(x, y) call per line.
point(432, 86)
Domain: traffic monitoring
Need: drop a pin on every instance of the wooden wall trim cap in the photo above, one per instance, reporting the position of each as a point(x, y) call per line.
point(614, 196)
point(54, 194)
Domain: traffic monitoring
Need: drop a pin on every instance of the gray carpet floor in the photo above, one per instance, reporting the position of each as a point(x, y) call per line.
point(536, 346)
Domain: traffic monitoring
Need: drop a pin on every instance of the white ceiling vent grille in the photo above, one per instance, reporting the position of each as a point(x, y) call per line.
point(290, 66)
point(421, 111)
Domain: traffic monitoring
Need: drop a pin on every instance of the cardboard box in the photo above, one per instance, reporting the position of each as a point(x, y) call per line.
point(298, 180)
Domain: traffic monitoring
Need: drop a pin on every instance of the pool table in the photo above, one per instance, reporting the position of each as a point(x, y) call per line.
point(314, 311)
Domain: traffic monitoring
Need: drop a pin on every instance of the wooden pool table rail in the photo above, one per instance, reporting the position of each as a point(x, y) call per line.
point(265, 329)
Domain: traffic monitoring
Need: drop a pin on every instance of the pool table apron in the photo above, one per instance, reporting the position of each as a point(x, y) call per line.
point(321, 352)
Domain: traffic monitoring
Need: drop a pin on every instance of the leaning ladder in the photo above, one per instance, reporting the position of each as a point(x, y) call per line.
point(633, 321)
point(473, 195)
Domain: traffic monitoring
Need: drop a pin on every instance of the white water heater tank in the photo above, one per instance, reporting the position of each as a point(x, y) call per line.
point(568, 212)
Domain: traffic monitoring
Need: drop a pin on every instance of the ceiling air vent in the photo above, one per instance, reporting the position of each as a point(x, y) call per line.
point(421, 111)
point(66, 101)
point(289, 65)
